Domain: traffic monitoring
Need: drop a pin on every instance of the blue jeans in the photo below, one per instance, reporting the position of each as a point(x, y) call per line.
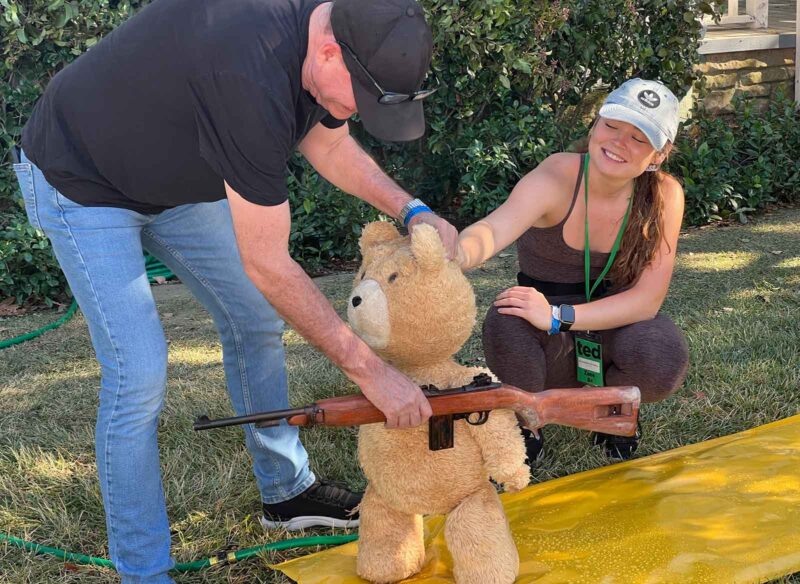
point(100, 251)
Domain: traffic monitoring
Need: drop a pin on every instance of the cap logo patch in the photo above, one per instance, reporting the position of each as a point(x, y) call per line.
point(649, 98)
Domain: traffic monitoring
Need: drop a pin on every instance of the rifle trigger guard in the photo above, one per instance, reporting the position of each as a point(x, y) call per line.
point(477, 418)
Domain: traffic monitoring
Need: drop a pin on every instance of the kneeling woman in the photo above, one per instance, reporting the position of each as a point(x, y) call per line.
point(596, 235)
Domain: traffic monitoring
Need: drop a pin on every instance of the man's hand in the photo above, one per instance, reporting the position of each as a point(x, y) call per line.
point(447, 233)
point(394, 394)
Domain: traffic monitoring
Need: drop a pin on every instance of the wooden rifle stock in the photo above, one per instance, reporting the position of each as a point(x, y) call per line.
point(612, 410)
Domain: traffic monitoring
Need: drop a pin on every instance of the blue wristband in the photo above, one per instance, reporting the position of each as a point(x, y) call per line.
point(555, 323)
point(416, 211)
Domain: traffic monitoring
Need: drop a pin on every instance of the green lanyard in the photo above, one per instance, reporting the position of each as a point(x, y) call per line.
point(614, 249)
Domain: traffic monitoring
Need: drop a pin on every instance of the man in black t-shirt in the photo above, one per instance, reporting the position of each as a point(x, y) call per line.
point(172, 134)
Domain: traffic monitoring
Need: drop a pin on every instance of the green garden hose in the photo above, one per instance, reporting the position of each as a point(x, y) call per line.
point(155, 269)
point(40, 331)
point(218, 560)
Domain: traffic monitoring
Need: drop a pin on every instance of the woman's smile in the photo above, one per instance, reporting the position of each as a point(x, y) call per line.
point(613, 157)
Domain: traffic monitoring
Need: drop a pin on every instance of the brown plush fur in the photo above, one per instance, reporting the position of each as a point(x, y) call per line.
point(416, 310)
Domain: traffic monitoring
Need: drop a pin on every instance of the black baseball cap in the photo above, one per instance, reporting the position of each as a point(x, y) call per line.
point(390, 41)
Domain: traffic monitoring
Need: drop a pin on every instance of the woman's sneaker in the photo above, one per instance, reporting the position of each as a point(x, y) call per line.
point(618, 447)
point(323, 504)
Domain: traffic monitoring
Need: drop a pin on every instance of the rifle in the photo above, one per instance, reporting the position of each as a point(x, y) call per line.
point(613, 410)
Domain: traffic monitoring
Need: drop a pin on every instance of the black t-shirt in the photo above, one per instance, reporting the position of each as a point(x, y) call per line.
point(181, 96)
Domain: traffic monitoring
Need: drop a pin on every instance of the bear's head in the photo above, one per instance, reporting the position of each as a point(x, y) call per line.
point(410, 304)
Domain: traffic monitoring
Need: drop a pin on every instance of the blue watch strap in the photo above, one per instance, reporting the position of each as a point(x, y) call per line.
point(555, 321)
point(416, 211)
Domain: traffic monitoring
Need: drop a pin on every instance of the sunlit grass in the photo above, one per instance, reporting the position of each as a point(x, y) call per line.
point(715, 262)
point(737, 301)
point(789, 263)
point(777, 228)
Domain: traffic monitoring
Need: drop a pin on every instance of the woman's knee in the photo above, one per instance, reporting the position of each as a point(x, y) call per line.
point(513, 350)
point(654, 351)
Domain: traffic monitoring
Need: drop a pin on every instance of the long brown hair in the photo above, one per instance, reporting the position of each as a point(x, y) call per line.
point(645, 230)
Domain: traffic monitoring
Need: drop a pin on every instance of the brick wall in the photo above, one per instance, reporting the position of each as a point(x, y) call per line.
point(755, 74)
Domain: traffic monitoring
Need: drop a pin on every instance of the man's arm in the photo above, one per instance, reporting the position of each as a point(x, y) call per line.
point(336, 156)
point(262, 235)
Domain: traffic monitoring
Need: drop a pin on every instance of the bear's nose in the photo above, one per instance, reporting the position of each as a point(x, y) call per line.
point(356, 301)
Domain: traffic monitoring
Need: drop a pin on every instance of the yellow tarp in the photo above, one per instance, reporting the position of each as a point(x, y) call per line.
point(724, 511)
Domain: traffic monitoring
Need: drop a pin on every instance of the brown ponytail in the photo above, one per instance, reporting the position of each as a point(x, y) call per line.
point(644, 232)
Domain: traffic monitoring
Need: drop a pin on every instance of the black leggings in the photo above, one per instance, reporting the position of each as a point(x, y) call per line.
point(650, 354)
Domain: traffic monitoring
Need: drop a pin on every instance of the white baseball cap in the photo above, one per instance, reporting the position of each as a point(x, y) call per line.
point(648, 105)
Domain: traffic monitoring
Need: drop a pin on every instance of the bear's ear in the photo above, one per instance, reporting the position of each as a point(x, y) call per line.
point(427, 248)
point(376, 233)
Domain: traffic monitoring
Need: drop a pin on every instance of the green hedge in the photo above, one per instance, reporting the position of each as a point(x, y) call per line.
point(733, 165)
point(517, 81)
point(515, 76)
point(326, 223)
point(37, 38)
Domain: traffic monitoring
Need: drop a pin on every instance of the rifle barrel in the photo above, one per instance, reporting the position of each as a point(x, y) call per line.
point(204, 423)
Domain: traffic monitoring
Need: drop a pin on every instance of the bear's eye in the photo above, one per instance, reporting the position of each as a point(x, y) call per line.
point(364, 273)
point(393, 277)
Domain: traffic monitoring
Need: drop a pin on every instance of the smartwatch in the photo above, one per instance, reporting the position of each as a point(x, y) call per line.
point(566, 316)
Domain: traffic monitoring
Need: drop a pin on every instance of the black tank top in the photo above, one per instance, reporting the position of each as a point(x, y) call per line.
point(547, 263)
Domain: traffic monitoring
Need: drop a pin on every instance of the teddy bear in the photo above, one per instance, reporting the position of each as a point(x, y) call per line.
point(416, 309)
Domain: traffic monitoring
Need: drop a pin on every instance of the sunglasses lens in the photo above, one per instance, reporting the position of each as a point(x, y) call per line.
point(393, 98)
point(423, 94)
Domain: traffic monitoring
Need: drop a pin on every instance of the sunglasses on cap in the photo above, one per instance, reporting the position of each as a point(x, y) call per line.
point(389, 97)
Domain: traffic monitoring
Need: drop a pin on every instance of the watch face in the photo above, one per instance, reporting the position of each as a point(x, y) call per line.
point(567, 313)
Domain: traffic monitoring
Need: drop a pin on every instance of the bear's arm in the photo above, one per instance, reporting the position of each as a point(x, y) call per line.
point(503, 448)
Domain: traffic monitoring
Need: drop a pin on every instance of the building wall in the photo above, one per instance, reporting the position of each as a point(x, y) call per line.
point(757, 75)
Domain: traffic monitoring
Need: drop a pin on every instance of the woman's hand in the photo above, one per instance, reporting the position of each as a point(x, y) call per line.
point(528, 303)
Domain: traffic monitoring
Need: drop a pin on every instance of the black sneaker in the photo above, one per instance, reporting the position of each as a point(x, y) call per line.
point(618, 447)
point(534, 445)
point(323, 504)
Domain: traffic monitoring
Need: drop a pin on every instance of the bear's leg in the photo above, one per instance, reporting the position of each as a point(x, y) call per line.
point(390, 543)
point(480, 541)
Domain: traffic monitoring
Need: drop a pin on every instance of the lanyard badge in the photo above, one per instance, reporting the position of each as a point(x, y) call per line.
point(588, 345)
point(589, 356)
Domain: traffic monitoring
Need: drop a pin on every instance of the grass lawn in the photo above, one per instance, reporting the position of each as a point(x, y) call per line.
point(736, 294)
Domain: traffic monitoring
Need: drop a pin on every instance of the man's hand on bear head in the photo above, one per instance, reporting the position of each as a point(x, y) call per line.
point(447, 233)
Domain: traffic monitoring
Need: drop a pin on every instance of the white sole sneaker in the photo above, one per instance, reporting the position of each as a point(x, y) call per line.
point(306, 521)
